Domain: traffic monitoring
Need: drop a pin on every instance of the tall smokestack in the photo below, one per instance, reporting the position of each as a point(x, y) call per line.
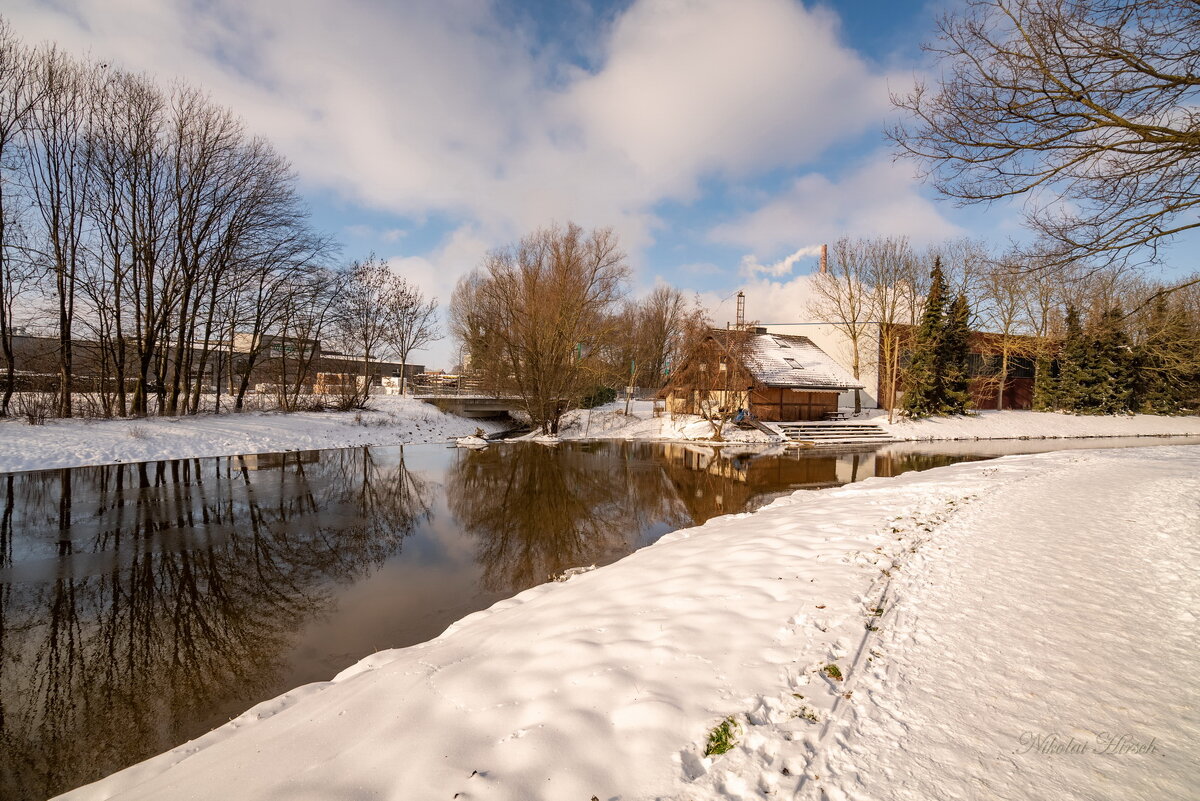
point(824, 259)
point(741, 311)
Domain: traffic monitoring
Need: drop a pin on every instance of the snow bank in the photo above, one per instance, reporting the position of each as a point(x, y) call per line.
point(611, 422)
point(1012, 424)
point(609, 683)
point(72, 443)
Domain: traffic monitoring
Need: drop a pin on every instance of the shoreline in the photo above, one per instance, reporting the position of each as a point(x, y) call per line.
point(406, 421)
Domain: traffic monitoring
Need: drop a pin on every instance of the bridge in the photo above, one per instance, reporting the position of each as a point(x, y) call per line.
point(463, 396)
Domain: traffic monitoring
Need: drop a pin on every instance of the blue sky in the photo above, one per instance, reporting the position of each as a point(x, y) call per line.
point(717, 137)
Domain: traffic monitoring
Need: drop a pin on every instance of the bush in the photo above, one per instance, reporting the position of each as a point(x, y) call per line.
point(598, 396)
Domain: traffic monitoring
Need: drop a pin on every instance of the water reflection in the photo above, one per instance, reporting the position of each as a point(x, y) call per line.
point(142, 604)
point(171, 592)
point(536, 511)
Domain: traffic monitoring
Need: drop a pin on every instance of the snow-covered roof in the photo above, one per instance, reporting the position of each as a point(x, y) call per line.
point(780, 360)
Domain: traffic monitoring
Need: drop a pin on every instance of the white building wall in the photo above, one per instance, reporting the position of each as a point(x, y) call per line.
point(836, 345)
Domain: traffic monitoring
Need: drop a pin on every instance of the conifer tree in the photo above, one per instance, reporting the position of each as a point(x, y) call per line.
point(925, 392)
point(1071, 362)
point(1108, 367)
point(1045, 385)
point(956, 357)
point(1162, 363)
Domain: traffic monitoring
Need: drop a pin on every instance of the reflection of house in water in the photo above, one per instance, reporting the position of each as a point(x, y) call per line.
point(715, 483)
point(272, 461)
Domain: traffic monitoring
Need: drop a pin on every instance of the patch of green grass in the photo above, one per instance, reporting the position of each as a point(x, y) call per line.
point(833, 672)
point(723, 737)
point(805, 712)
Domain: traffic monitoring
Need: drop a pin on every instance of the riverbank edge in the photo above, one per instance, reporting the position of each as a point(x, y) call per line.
point(406, 421)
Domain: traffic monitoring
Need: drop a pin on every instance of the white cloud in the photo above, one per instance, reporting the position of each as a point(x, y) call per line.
point(418, 108)
point(691, 87)
point(879, 198)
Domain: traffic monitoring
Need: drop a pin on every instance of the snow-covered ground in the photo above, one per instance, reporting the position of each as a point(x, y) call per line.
point(72, 443)
point(905, 638)
point(394, 420)
point(1011, 424)
point(611, 422)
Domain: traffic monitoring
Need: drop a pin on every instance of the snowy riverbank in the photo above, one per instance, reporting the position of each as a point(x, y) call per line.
point(73, 443)
point(611, 422)
point(1013, 424)
point(968, 610)
point(395, 421)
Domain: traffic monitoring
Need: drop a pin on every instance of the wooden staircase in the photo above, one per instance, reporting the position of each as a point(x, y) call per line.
point(832, 432)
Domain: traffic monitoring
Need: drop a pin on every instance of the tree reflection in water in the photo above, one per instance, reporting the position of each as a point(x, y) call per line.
point(142, 604)
point(536, 511)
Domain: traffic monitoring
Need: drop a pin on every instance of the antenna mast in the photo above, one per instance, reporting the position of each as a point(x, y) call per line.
point(741, 311)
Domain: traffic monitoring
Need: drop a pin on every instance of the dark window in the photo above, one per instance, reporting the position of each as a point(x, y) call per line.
point(1020, 367)
point(980, 365)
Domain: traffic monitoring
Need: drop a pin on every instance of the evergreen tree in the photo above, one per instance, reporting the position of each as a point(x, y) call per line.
point(925, 388)
point(956, 358)
point(1107, 386)
point(1045, 385)
point(1162, 362)
point(1071, 363)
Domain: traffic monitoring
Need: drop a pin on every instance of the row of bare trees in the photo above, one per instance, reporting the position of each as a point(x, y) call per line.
point(148, 227)
point(875, 290)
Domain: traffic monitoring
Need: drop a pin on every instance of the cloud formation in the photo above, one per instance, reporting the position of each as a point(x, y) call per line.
point(437, 107)
point(879, 198)
point(446, 111)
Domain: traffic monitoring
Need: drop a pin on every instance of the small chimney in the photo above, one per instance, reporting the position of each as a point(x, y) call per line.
point(824, 259)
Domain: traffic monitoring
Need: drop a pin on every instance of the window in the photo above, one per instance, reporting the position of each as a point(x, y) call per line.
point(781, 343)
point(792, 363)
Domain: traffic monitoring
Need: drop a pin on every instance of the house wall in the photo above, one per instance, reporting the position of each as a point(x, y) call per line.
point(779, 405)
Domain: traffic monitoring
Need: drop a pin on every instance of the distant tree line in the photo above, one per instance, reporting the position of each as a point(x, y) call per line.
point(148, 223)
point(1100, 340)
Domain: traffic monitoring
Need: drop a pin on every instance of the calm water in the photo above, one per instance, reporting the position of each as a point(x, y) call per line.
point(143, 604)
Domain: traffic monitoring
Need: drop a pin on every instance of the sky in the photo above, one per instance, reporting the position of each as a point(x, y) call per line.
point(723, 140)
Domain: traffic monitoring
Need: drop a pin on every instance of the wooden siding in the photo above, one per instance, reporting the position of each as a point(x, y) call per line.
point(779, 405)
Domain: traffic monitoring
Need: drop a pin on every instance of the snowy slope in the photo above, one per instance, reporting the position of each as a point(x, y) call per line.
point(71, 443)
point(1027, 656)
point(608, 684)
point(1012, 424)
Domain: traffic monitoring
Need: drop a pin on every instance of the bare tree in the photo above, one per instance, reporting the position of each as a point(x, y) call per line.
point(18, 95)
point(842, 297)
point(1001, 306)
point(362, 322)
point(537, 316)
point(411, 320)
point(1088, 102)
point(58, 173)
point(712, 380)
point(897, 279)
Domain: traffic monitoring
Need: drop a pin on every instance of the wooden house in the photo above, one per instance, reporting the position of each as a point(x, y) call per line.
point(775, 377)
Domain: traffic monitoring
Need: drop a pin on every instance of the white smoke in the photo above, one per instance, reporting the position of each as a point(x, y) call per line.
point(751, 268)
